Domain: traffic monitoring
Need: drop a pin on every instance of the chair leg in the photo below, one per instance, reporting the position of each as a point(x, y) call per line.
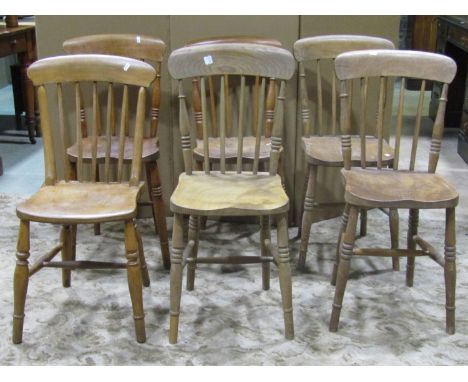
point(363, 226)
point(141, 255)
point(284, 274)
point(97, 226)
point(413, 222)
point(73, 240)
point(176, 276)
point(450, 270)
point(343, 267)
point(307, 215)
point(394, 236)
point(20, 281)
point(66, 237)
point(134, 280)
point(344, 223)
point(193, 234)
point(153, 182)
point(265, 234)
point(306, 182)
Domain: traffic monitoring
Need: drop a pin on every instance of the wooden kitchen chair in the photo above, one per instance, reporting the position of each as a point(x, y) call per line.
point(321, 143)
point(230, 193)
point(396, 188)
point(70, 202)
point(143, 48)
point(267, 108)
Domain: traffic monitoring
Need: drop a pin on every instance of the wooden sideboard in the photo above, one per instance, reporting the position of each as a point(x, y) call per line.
point(452, 40)
point(21, 40)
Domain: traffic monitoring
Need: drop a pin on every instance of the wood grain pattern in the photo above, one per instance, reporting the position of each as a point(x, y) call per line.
point(328, 47)
point(231, 58)
point(229, 194)
point(390, 63)
point(91, 67)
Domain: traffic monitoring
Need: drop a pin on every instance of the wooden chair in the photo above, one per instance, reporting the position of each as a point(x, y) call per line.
point(143, 48)
point(322, 144)
point(396, 188)
point(253, 86)
point(70, 202)
point(230, 193)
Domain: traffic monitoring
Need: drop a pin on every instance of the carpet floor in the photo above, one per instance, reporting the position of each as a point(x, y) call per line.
point(228, 319)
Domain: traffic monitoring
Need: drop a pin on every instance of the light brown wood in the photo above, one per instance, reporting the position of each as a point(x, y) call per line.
point(87, 67)
point(321, 145)
point(139, 47)
point(398, 189)
point(328, 47)
point(326, 151)
point(230, 193)
point(387, 63)
point(70, 202)
point(231, 58)
point(128, 45)
point(394, 188)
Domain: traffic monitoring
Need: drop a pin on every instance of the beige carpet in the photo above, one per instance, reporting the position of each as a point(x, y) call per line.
point(228, 319)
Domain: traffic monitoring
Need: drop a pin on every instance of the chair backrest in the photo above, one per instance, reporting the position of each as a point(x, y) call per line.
point(240, 61)
point(385, 64)
point(318, 50)
point(68, 73)
point(145, 48)
point(253, 83)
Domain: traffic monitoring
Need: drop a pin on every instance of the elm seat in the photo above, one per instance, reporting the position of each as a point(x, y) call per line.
point(326, 150)
point(150, 150)
point(248, 149)
point(232, 194)
point(76, 202)
point(391, 189)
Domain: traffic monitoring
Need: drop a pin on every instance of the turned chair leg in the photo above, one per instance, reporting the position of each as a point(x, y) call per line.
point(343, 267)
point(134, 280)
point(413, 222)
point(176, 276)
point(284, 274)
point(344, 223)
point(304, 189)
point(66, 237)
point(193, 234)
point(141, 255)
point(450, 270)
point(363, 226)
point(265, 234)
point(307, 215)
point(20, 281)
point(394, 236)
point(97, 226)
point(153, 182)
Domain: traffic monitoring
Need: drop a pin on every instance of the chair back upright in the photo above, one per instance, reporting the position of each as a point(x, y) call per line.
point(140, 47)
point(391, 64)
point(64, 75)
point(239, 61)
point(319, 51)
point(252, 83)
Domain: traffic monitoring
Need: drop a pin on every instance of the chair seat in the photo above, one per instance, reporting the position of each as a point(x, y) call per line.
point(150, 150)
point(248, 148)
point(229, 194)
point(326, 151)
point(398, 189)
point(74, 202)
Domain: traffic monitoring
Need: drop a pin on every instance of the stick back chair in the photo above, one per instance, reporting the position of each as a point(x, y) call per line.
point(143, 48)
point(396, 188)
point(230, 193)
point(70, 202)
point(253, 89)
point(321, 143)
